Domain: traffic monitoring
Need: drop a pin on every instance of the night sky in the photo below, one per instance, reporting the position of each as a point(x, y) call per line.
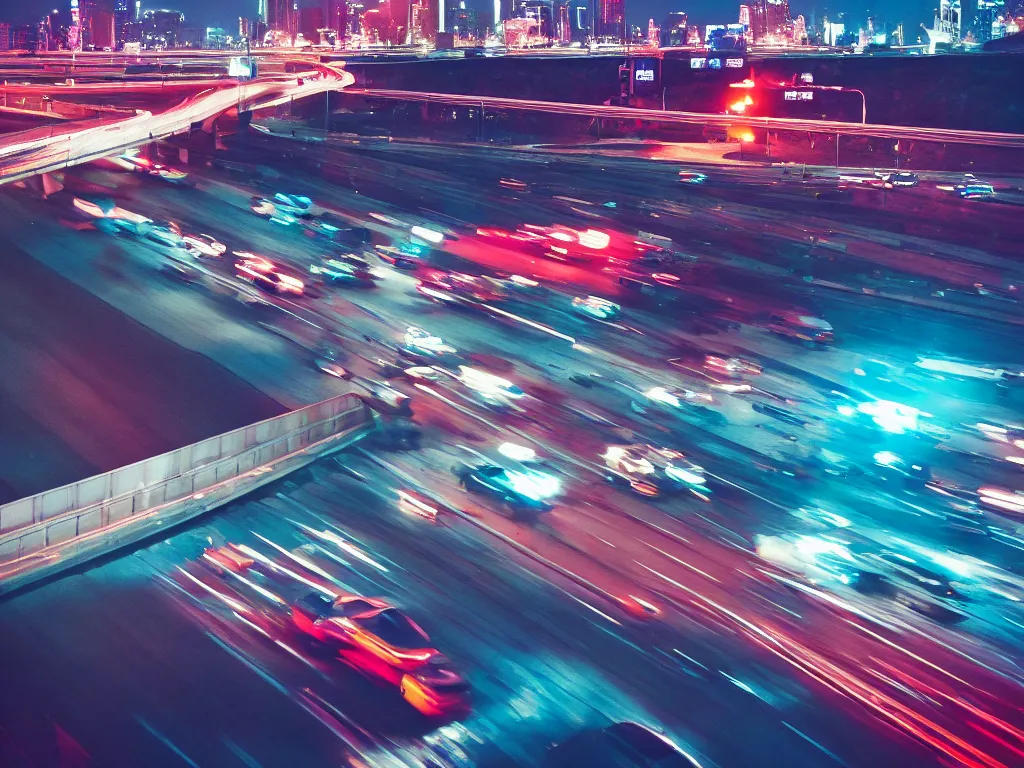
point(202, 13)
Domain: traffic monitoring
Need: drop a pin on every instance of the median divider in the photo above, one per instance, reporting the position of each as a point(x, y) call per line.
point(64, 527)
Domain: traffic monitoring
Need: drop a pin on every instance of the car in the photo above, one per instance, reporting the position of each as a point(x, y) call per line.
point(620, 745)
point(692, 177)
point(520, 490)
point(377, 637)
point(405, 256)
point(777, 413)
point(731, 367)
point(595, 307)
point(261, 206)
point(265, 274)
point(165, 237)
point(808, 329)
point(344, 269)
point(296, 205)
point(909, 570)
point(890, 179)
point(418, 345)
point(458, 288)
point(974, 189)
point(491, 389)
point(205, 246)
point(652, 471)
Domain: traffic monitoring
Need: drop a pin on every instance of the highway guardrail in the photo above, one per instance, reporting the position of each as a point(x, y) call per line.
point(66, 526)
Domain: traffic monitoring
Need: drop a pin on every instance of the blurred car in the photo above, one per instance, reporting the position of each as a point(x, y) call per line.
point(595, 307)
point(457, 287)
point(777, 413)
point(156, 170)
point(392, 645)
point(526, 490)
point(265, 274)
point(974, 190)
point(404, 256)
point(491, 389)
point(205, 246)
point(165, 237)
point(909, 570)
point(692, 177)
point(344, 269)
point(261, 206)
point(418, 344)
point(651, 471)
point(891, 179)
point(731, 367)
point(620, 745)
point(808, 329)
point(296, 205)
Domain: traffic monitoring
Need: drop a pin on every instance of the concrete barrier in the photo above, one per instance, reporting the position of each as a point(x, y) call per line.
point(63, 527)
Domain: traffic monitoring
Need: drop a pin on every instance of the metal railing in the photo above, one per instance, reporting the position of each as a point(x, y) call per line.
point(205, 473)
point(893, 132)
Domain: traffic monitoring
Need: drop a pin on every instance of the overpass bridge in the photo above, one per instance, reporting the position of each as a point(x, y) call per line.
point(44, 150)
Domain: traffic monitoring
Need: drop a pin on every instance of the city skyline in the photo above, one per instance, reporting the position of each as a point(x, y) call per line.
point(225, 13)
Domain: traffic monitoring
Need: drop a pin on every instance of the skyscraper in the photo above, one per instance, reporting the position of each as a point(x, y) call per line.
point(610, 20)
point(770, 21)
point(673, 29)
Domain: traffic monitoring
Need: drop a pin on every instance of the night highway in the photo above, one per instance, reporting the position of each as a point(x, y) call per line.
point(727, 450)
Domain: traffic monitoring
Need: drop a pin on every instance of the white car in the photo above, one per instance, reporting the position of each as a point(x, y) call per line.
point(206, 246)
point(650, 470)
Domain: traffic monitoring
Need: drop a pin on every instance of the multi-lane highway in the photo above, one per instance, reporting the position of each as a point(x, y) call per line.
point(719, 614)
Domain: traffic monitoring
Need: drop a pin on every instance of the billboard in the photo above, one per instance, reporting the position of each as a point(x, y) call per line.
point(242, 67)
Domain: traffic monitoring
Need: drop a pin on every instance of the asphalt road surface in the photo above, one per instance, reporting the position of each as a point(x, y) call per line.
point(757, 652)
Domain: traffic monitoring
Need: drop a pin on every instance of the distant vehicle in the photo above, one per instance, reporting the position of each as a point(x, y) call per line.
point(406, 256)
point(731, 367)
point(205, 246)
point(379, 638)
point(156, 170)
point(912, 572)
point(514, 184)
point(296, 205)
point(652, 471)
point(620, 745)
point(344, 269)
point(261, 206)
point(457, 287)
point(780, 414)
point(519, 490)
point(492, 390)
point(595, 307)
point(165, 237)
point(892, 179)
point(974, 190)
point(808, 329)
point(692, 177)
point(265, 274)
point(419, 345)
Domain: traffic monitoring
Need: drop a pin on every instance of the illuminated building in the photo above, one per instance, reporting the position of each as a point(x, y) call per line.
point(563, 24)
point(653, 33)
point(673, 29)
point(281, 18)
point(579, 20)
point(311, 21)
point(541, 11)
point(162, 29)
point(461, 21)
point(990, 20)
point(122, 17)
point(770, 22)
point(610, 20)
point(102, 32)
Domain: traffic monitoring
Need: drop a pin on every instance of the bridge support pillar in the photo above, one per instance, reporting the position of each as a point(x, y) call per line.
point(244, 120)
point(45, 184)
point(183, 155)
